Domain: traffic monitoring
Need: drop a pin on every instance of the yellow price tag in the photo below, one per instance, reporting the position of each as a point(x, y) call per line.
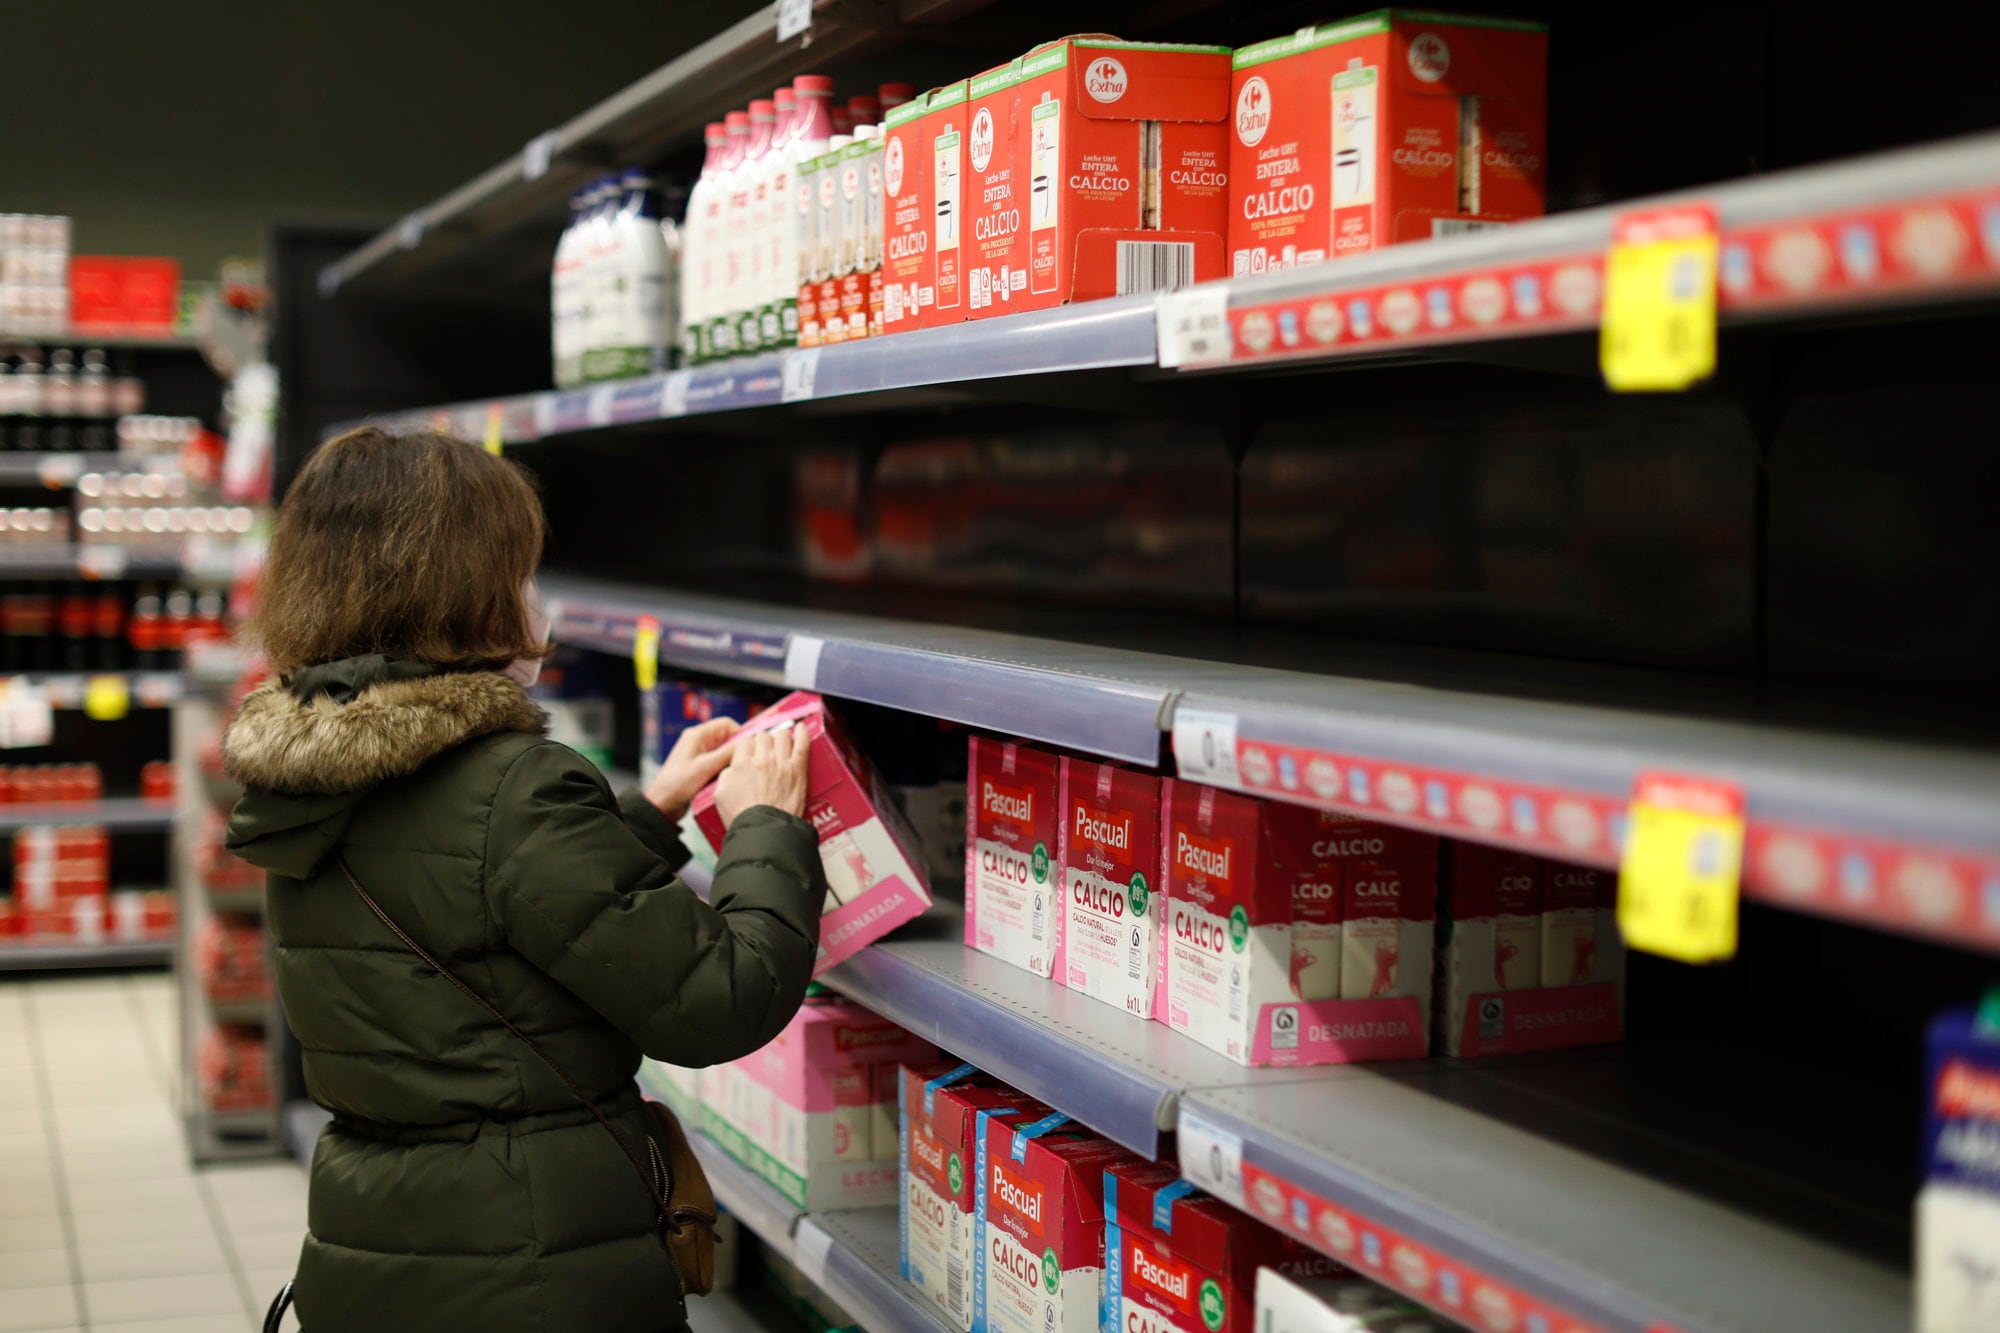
point(496, 430)
point(646, 652)
point(1679, 881)
point(106, 698)
point(1659, 300)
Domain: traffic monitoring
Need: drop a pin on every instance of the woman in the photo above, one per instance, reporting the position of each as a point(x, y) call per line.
point(461, 1185)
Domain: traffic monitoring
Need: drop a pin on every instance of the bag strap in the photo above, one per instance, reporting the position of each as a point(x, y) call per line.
point(645, 1177)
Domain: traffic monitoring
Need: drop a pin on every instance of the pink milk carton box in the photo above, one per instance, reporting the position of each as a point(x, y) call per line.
point(875, 875)
point(1110, 853)
point(801, 1112)
point(1039, 1267)
point(1230, 869)
point(1013, 877)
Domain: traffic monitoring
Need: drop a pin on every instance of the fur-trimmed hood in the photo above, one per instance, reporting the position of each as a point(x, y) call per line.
point(307, 749)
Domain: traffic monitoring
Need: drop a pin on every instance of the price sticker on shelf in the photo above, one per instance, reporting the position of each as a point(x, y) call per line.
point(795, 17)
point(496, 429)
point(106, 698)
point(801, 370)
point(1659, 300)
point(60, 471)
point(103, 562)
point(802, 662)
point(812, 1243)
point(1211, 1157)
point(27, 718)
point(1192, 326)
point(1205, 746)
point(674, 394)
point(537, 155)
point(646, 652)
point(1680, 876)
point(410, 231)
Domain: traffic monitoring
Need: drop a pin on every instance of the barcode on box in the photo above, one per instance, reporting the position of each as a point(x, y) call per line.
point(1461, 226)
point(954, 1286)
point(1154, 266)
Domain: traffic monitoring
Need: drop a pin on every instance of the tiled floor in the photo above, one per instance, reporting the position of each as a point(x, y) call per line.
point(104, 1225)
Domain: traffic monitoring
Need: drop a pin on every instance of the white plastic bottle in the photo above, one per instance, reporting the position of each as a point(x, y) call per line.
point(812, 124)
point(637, 269)
point(723, 296)
point(596, 328)
point(698, 257)
point(565, 299)
point(743, 261)
point(670, 239)
point(772, 184)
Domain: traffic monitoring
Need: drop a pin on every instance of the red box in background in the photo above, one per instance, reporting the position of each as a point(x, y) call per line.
point(115, 293)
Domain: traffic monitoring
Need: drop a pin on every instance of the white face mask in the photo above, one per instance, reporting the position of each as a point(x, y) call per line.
point(527, 670)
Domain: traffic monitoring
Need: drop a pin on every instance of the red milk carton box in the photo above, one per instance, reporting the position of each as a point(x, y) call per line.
point(940, 1106)
point(876, 878)
point(1112, 907)
point(1326, 891)
point(1178, 1261)
point(910, 220)
point(1230, 868)
point(1399, 125)
point(942, 132)
point(1040, 1262)
point(1013, 874)
point(1108, 175)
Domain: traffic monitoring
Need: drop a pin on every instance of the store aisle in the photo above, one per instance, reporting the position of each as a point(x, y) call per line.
point(104, 1226)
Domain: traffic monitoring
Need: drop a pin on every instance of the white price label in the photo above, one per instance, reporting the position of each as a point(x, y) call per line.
point(410, 231)
point(103, 562)
point(536, 156)
point(802, 662)
point(598, 405)
point(812, 1244)
point(60, 471)
point(1193, 325)
point(26, 717)
point(674, 394)
point(794, 17)
point(1212, 1157)
point(1205, 746)
point(801, 369)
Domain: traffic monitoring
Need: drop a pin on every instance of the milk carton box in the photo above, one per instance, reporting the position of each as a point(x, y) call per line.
point(909, 264)
point(1571, 897)
point(800, 1112)
point(1230, 868)
point(1013, 876)
point(1958, 1208)
point(1107, 172)
point(1399, 125)
point(1289, 1303)
point(1112, 907)
point(1389, 916)
point(1179, 1261)
point(1039, 1267)
point(940, 1106)
point(944, 128)
point(876, 877)
point(1335, 913)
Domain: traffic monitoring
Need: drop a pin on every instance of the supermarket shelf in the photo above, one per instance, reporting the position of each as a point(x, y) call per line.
point(30, 956)
point(65, 689)
point(1122, 1076)
point(1896, 228)
point(57, 471)
point(741, 1311)
point(70, 560)
point(1063, 694)
point(1093, 336)
point(673, 102)
point(1403, 1175)
point(753, 1201)
point(131, 813)
point(159, 342)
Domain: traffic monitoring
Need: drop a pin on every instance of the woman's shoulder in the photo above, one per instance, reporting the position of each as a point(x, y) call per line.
point(511, 765)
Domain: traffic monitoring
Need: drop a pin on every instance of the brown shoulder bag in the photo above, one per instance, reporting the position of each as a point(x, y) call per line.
point(671, 1172)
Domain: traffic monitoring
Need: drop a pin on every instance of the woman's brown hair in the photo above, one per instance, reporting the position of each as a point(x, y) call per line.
point(415, 546)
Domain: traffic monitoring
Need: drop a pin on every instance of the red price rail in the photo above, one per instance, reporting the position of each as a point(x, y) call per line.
point(1908, 227)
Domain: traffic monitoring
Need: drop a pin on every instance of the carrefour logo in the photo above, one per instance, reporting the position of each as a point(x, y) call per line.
point(1253, 110)
point(892, 165)
point(1106, 80)
point(981, 145)
point(1430, 58)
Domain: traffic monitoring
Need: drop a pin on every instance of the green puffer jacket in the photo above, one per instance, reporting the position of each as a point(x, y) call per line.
point(460, 1184)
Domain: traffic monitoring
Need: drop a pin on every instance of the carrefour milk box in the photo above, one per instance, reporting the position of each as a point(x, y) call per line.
point(1179, 1261)
point(876, 876)
point(939, 1107)
point(1399, 125)
point(1112, 906)
point(1040, 1262)
point(1958, 1208)
point(1013, 876)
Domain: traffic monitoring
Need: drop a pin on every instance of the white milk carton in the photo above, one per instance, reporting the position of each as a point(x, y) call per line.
point(1013, 878)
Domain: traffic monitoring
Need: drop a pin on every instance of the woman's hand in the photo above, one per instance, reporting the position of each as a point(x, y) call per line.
point(766, 769)
point(701, 753)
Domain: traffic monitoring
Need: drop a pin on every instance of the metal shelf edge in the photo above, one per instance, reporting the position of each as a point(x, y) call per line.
point(18, 956)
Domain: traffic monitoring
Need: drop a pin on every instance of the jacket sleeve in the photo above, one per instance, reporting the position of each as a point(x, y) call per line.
point(653, 828)
point(595, 905)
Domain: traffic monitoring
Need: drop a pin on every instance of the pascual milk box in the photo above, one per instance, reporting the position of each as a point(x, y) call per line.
point(1111, 879)
point(1013, 877)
